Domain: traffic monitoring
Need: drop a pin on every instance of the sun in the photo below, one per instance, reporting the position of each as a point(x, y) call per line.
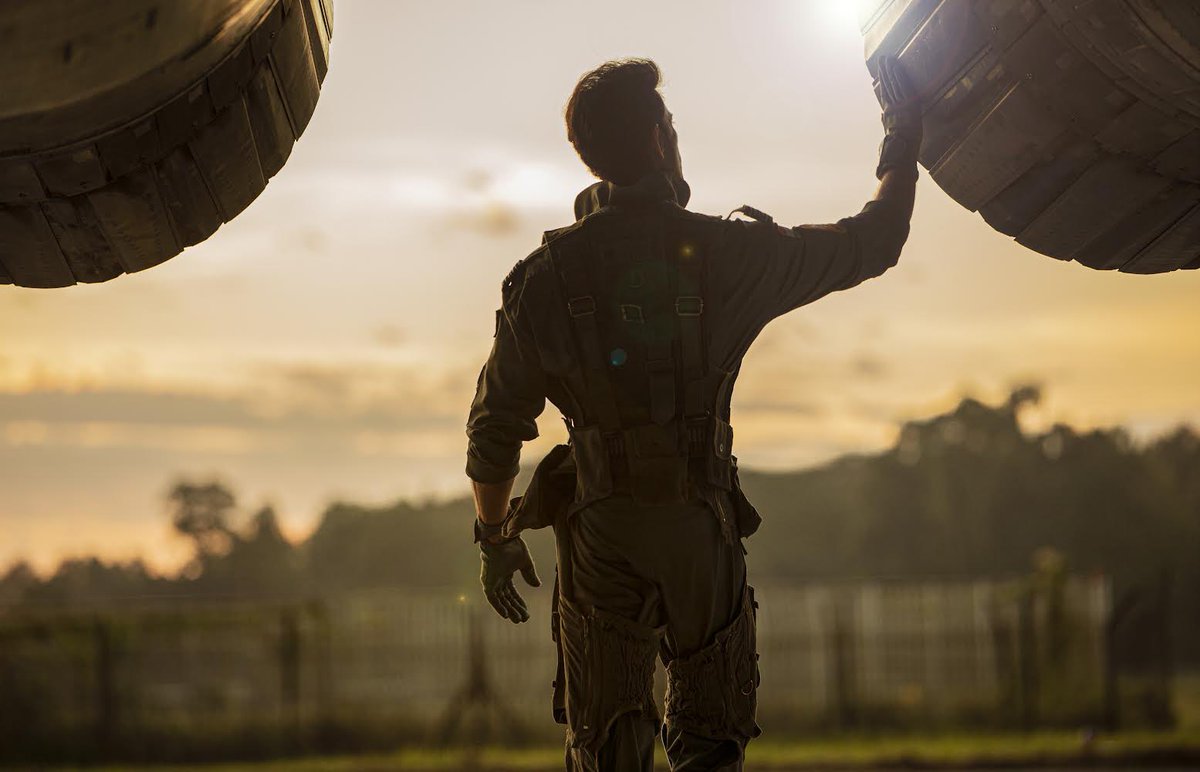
point(844, 16)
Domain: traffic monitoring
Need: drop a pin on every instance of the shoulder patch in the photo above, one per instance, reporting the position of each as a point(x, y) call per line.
point(514, 275)
point(517, 274)
point(514, 284)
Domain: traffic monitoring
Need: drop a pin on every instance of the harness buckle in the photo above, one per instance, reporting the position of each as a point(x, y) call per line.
point(689, 305)
point(664, 365)
point(584, 305)
point(632, 313)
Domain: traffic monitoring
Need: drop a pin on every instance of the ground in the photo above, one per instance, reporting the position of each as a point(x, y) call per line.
point(1175, 751)
point(1060, 751)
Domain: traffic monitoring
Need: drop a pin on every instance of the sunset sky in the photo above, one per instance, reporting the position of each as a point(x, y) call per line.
point(325, 344)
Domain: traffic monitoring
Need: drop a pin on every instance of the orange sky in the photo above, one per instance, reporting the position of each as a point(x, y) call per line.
point(325, 344)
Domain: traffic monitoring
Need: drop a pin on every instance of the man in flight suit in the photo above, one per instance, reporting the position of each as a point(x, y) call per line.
point(633, 322)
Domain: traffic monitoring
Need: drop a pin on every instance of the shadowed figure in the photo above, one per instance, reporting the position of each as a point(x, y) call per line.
point(633, 322)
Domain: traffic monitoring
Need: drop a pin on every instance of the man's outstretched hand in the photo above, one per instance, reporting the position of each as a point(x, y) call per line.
point(901, 118)
point(500, 561)
point(901, 107)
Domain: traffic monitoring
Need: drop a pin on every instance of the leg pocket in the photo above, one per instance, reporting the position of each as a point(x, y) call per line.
point(714, 692)
point(608, 670)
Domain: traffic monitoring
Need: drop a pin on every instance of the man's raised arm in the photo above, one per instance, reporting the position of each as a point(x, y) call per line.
point(797, 266)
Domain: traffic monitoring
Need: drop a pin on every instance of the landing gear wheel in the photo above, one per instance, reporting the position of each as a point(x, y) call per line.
point(135, 129)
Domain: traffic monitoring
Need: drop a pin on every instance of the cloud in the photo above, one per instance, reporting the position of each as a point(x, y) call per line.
point(335, 404)
point(53, 406)
point(868, 366)
point(215, 439)
point(490, 218)
point(779, 407)
point(388, 336)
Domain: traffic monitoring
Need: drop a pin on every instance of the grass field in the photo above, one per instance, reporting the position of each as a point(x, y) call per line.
point(1178, 750)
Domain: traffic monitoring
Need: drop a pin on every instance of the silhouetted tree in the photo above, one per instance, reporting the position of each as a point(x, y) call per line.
point(260, 562)
point(202, 513)
point(16, 582)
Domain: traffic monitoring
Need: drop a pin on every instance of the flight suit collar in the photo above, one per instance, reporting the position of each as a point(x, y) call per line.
point(656, 186)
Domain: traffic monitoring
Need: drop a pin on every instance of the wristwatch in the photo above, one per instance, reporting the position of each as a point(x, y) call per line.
point(485, 531)
point(897, 152)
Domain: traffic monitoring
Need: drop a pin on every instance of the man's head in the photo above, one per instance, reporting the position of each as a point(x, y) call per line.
point(619, 124)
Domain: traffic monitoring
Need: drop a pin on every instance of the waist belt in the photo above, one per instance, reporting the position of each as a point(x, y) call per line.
point(656, 463)
point(699, 436)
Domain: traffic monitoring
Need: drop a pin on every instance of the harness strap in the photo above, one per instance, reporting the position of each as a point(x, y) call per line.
point(689, 310)
point(660, 369)
point(660, 360)
point(724, 387)
point(581, 306)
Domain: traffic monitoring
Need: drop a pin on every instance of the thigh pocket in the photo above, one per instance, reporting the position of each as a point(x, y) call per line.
point(714, 692)
point(608, 670)
point(742, 659)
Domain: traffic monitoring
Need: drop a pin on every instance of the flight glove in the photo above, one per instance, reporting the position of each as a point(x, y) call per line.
point(500, 561)
point(901, 118)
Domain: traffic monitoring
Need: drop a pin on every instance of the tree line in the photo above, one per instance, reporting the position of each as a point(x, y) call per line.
point(964, 494)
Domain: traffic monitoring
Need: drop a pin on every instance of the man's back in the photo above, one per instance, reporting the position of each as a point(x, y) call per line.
point(752, 271)
point(641, 312)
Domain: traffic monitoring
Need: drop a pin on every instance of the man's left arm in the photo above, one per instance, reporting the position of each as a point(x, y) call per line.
point(509, 396)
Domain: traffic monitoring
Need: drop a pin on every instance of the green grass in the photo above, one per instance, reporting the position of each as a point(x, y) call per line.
point(966, 750)
point(1186, 688)
point(862, 752)
point(845, 752)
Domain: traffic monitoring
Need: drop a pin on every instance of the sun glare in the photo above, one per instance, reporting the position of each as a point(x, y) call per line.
point(843, 17)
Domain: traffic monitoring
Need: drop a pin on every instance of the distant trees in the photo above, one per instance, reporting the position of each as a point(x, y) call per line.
point(255, 560)
point(968, 493)
point(413, 546)
point(16, 582)
point(92, 581)
point(963, 494)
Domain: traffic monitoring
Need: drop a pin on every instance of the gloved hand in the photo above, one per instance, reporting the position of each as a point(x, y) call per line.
point(500, 561)
point(901, 118)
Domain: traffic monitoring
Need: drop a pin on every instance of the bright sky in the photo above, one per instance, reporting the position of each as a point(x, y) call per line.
point(325, 344)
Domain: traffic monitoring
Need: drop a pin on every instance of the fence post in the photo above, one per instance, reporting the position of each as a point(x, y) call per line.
point(1112, 694)
point(289, 674)
point(106, 696)
point(1162, 608)
point(322, 648)
point(1027, 658)
point(844, 697)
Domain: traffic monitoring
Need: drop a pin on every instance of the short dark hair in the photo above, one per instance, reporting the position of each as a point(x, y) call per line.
point(611, 116)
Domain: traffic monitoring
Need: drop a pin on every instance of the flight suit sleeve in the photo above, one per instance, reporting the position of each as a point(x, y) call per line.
point(805, 263)
point(509, 395)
